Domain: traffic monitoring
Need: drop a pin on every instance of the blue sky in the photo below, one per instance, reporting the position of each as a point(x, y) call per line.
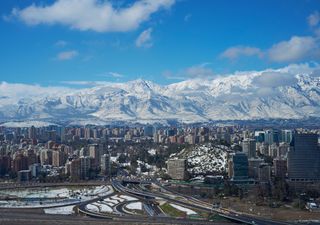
point(58, 42)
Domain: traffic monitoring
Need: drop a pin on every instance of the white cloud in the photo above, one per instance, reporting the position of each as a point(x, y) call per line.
point(196, 71)
point(67, 55)
point(96, 15)
point(85, 83)
point(145, 39)
point(314, 19)
point(295, 49)
point(61, 43)
point(15, 91)
point(238, 51)
point(199, 71)
point(116, 75)
point(111, 74)
point(274, 79)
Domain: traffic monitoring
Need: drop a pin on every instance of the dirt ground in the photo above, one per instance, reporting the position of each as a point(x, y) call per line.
point(285, 212)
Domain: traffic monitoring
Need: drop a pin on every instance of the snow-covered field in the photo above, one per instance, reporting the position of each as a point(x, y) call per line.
point(104, 208)
point(183, 209)
point(128, 198)
point(107, 205)
point(92, 208)
point(51, 197)
point(66, 210)
point(134, 205)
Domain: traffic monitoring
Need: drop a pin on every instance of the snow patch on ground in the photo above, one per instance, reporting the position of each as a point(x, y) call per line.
point(66, 210)
point(128, 198)
point(134, 205)
point(183, 209)
point(92, 208)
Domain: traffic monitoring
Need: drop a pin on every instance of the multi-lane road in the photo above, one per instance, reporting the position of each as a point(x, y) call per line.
point(154, 214)
point(196, 204)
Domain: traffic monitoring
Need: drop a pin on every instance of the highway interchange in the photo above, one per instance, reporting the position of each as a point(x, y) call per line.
point(153, 213)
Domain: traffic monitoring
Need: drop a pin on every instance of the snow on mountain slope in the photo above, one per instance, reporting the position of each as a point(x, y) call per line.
point(290, 92)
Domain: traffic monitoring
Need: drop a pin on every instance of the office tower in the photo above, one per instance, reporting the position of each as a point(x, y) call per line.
point(148, 131)
point(177, 168)
point(259, 136)
point(264, 172)
point(280, 167)
point(32, 133)
point(273, 150)
point(286, 136)
point(269, 137)
point(283, 150)
point(238, 166)
point(304, 158)
point(253, 170)
point(5, 164)
point(249, 147)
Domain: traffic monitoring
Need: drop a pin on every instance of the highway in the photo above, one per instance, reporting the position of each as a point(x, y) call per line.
point(234, 216)
point(9, 217)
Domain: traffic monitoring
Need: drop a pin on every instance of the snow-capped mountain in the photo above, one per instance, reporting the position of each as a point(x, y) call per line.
point(292, 92)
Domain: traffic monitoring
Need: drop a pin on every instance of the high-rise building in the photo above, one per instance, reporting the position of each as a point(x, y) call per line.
point(58, 158)
point(249, 147)
point(238, 166)
point(253, 170)
point(5, 164)
point(304, 158)
point(46, 157)
point(35, 169)
point(85, 166)
point(20, 162)
point(259, 136)
point(177, 169)
point(283, 150)
point(94, 152)
point(280, 167)
point(105, 165)
point(75, 172)
point(286, 136)
point(32, 133)
point(264, 172)
point(148, 130)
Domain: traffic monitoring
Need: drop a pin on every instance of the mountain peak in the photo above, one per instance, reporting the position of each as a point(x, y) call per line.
point(245, 96)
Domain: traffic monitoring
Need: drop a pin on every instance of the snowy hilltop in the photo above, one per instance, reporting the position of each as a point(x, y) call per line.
point(291, 92)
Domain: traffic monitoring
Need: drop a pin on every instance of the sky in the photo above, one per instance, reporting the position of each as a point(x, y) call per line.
point(71, 42)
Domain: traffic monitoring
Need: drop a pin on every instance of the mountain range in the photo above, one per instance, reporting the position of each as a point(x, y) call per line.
point(291, 92)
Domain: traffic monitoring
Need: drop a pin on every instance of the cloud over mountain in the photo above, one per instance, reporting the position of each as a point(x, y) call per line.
point(289, 92)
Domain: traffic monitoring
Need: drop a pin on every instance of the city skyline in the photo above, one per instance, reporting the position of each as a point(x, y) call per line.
point(165, 41)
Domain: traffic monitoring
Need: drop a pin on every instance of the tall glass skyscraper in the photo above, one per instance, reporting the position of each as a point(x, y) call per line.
point(304, 158)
